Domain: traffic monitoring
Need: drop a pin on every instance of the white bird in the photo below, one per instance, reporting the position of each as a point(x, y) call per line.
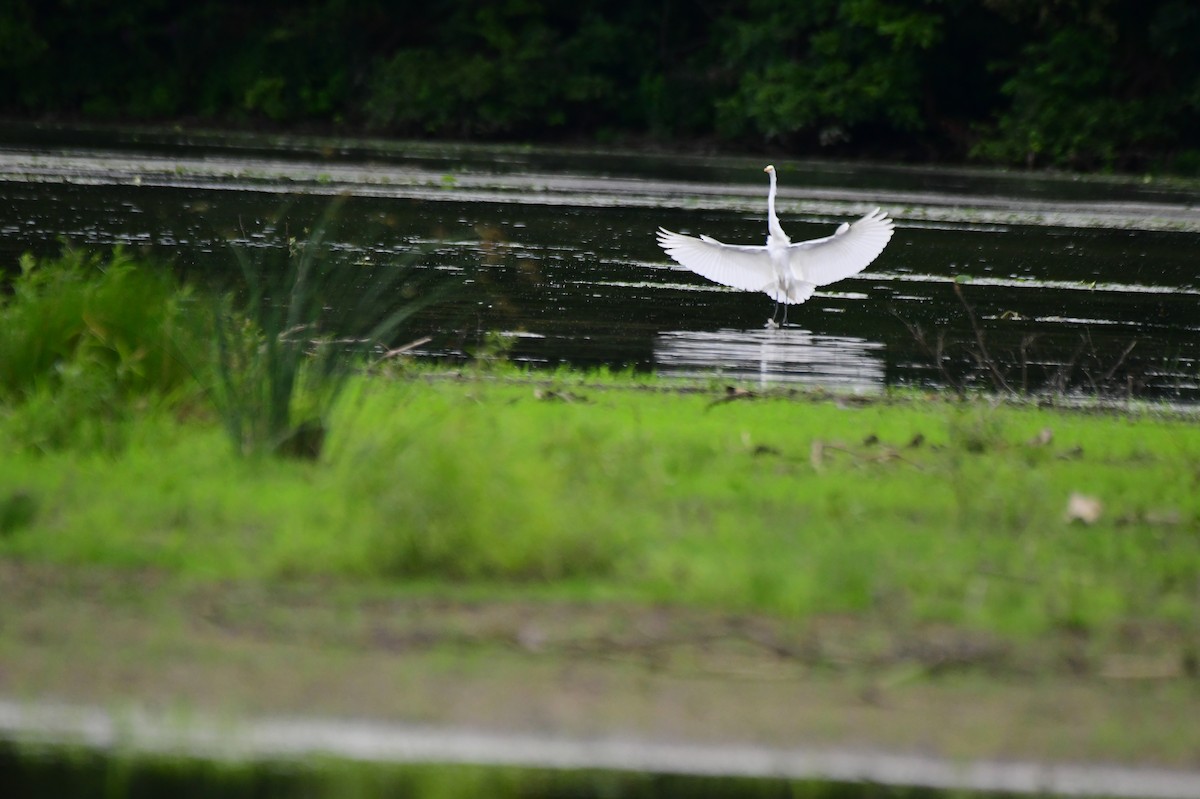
point(789, 272)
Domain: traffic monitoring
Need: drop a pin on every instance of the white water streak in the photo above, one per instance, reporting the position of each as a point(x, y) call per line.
point(94, 167)
point(139, 731)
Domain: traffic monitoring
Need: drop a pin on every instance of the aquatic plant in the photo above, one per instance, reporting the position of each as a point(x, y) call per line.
point(307, 317)
point(1028, 366)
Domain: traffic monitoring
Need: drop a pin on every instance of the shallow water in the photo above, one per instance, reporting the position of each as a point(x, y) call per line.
point(570, 766)
point(1056, 277)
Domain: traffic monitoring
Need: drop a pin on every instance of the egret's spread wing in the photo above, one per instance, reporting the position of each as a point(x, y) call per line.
point(847, 252)
point(740, 266)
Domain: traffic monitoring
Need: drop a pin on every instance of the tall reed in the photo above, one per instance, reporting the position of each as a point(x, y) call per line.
point(309, 316)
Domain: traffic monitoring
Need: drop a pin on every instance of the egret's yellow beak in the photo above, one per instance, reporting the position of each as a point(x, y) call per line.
point(769, 168)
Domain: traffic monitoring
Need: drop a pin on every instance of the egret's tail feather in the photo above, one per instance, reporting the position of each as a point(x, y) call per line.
point(798, 293)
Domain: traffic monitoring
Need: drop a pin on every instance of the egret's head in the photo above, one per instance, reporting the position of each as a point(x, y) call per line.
point(770, 169)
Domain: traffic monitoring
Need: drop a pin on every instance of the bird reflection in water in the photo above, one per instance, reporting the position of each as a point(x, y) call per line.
point(771, 356)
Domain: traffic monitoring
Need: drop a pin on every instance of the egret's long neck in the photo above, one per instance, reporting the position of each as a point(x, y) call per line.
point(772, 220)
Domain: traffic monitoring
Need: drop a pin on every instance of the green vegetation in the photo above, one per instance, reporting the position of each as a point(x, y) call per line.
point(1094, 84)
point(308, 321)
point(472, 546)
point(773, 506)
point(85, 342)
point(910, 507)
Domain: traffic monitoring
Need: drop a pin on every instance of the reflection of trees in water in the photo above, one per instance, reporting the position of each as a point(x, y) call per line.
point(771, 356)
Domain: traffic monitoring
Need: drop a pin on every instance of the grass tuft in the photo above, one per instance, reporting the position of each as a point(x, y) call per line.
point(85, 340)
point(307, 321)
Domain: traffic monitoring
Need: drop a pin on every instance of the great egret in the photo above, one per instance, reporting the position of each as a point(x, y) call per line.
point(788, 272)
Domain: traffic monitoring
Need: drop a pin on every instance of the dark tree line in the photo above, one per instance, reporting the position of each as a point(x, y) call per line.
point(1083, 84)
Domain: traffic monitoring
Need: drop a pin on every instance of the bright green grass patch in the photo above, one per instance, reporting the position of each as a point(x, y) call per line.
point(786, 506)
point(85, 342)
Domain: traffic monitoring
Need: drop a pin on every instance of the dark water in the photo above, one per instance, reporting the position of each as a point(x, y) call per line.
point(993, 279)
point(79, 775)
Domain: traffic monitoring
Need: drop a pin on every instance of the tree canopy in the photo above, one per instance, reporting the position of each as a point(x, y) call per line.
point(1084, 84)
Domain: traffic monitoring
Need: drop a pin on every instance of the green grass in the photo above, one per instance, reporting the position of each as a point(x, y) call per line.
point(786, 506)
point(85, 342)
point(494, 534)
point(491, 532)
point(114, 316)
point(309, 318)
point(907, 509)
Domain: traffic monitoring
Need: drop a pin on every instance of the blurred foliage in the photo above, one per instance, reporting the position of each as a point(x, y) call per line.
point(127, 319)
point(310, 317)
point(1099, 84)
point(84, 340)
point(1087, 84)
point(828, 66)
point(89, 342)
point(532, 68)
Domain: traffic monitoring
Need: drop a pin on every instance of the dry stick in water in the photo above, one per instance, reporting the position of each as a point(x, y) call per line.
point(984, 357)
